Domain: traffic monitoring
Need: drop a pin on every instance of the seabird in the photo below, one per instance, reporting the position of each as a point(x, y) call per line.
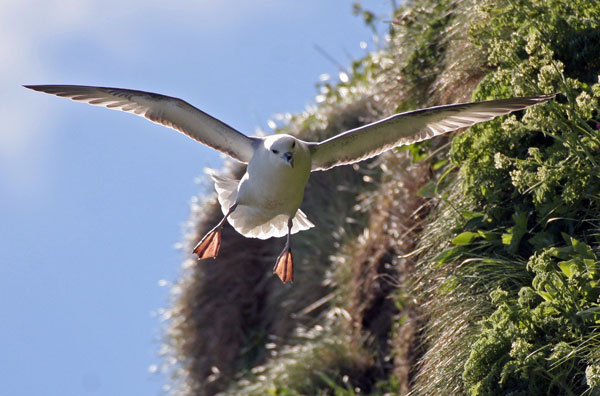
point(265, 202)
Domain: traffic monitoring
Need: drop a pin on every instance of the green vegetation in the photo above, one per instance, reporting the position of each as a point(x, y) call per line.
point(470, 270)
point(537, 189)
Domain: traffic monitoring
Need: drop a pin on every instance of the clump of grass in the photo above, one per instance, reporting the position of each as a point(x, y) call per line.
point(322, 360)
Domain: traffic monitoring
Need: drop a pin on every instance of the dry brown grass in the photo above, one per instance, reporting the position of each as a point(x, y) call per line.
point(378, 267)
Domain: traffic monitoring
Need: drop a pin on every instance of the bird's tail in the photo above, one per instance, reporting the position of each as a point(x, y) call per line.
point(251, 222)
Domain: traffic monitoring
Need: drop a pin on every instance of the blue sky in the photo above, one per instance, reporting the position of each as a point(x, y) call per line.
point(93, 202)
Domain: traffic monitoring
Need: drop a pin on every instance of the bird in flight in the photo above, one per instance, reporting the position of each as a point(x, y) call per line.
point(265, 202)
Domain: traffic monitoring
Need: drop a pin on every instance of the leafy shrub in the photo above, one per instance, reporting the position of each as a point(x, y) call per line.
point(535, 179)
point(532, 343)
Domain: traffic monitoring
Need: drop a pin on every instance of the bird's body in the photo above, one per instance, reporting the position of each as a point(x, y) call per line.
point(271, 190)
point(265, 202)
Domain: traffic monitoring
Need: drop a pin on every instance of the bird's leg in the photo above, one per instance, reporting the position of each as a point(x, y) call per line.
point(209, 246)
point(284, 267)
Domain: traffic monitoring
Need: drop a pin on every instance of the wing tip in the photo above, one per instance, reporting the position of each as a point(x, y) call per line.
point(51, 89)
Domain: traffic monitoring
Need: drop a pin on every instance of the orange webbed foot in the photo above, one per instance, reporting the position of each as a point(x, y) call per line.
point(209, 246)
point(284, 267)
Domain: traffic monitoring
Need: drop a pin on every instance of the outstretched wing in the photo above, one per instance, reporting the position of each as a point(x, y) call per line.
point(410, 127)
point(165, 110)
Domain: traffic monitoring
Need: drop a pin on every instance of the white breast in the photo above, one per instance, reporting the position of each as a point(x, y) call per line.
point(272, 186)
point(267, 195)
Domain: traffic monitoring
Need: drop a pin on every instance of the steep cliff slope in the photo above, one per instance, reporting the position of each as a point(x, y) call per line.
point(438, 269)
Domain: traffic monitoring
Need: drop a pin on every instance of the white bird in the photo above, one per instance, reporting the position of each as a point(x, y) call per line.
point(265, 202)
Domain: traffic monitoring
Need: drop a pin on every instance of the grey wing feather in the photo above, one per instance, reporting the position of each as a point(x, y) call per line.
point(410, 127)
point(165, 110)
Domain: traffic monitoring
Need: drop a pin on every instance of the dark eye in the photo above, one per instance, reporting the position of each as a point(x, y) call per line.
point(275, 151)
point(293, 144)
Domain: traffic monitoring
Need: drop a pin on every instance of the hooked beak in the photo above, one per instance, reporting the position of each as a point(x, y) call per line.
point(289, 158)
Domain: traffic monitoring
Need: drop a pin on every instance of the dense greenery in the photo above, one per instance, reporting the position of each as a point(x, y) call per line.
point(537, 183)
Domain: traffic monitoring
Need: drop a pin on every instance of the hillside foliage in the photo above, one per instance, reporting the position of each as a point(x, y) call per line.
point(463, 265)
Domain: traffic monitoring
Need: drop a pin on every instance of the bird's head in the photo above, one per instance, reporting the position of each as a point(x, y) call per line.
point(282, 147)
